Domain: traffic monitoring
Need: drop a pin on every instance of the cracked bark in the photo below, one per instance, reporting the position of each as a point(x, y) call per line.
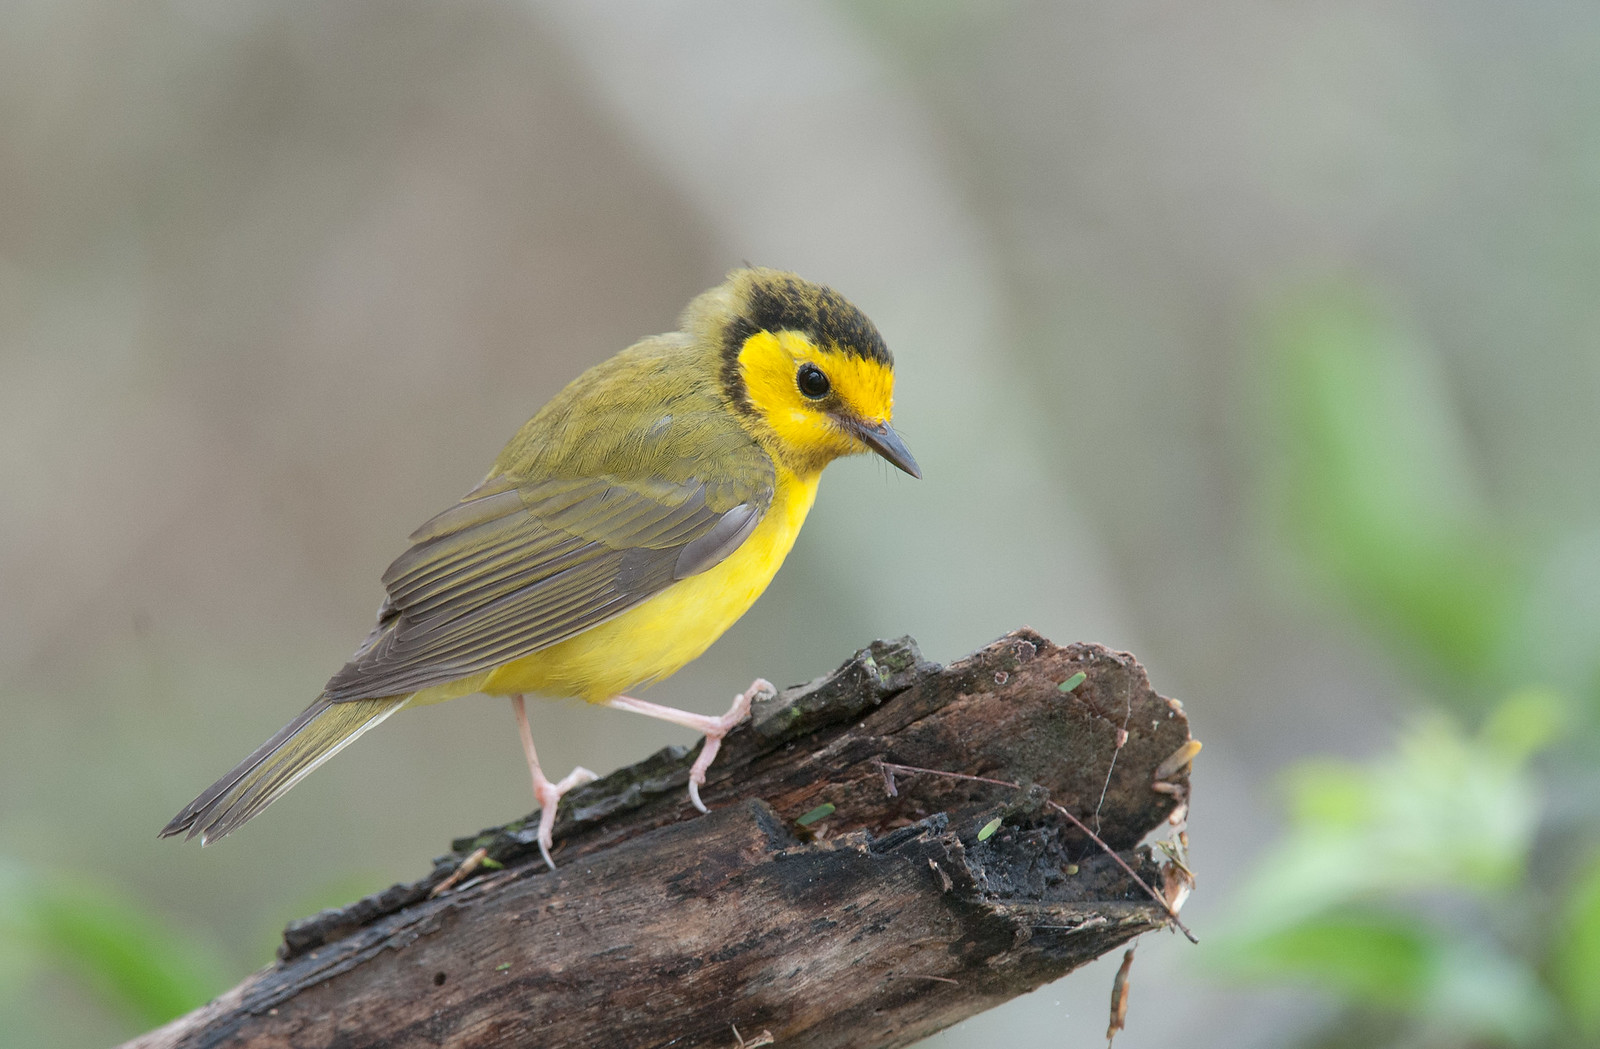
point(889, 918)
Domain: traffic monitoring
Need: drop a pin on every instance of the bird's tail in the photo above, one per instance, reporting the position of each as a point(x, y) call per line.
point(321, 731)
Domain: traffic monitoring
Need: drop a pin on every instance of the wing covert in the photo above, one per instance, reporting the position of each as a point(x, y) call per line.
point(516, 567)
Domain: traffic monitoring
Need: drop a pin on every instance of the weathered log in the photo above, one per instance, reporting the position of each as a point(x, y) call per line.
point(898, 911)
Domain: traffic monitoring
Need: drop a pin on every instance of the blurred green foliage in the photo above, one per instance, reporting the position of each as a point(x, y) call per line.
point(1401, 884)
point(114, 955)
point(1414, 887)
point(1374, 485)
point(1574, 966)
point(121, 957)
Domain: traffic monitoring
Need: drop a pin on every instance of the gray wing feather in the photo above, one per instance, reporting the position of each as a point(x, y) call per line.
point(511, 570)
point(724, 538)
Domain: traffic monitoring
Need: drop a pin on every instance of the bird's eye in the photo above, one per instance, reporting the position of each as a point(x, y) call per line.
point(812, 382)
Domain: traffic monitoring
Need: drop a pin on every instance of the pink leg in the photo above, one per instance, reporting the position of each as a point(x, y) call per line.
point(713, 728)
point(547, 793)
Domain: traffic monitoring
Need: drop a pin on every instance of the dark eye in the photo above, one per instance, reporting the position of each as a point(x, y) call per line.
point(812, 382)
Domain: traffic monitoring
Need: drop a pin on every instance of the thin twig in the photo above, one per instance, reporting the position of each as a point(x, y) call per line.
point(923, 976)
point(468, 865)
point(764, 1038)
point(1122, 738)
point(911, 770)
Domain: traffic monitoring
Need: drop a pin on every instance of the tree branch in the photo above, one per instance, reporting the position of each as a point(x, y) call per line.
point(898, 911)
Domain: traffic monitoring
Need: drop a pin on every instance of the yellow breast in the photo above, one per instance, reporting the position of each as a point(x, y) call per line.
point(659, 636)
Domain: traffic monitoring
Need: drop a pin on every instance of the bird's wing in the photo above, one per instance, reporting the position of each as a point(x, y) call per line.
point(518, 566)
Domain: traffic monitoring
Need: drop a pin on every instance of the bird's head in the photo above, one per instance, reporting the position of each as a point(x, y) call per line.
point(808, 370)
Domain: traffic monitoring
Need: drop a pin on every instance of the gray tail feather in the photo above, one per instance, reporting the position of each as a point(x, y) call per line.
point(317, 734)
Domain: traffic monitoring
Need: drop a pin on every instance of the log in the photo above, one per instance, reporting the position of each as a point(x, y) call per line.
point(829, 900)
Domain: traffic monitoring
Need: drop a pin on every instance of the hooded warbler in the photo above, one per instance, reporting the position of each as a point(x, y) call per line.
point(621, 531)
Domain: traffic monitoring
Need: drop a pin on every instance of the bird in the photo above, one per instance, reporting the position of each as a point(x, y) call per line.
point(620, 532)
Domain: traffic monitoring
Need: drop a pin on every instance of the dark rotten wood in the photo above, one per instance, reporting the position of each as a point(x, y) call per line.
point(875, 926)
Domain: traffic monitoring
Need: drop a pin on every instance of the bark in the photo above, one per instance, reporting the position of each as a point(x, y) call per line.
point(899, 911)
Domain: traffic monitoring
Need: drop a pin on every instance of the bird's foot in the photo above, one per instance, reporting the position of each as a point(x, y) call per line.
point(549, 796)
point(722, 726)
point(713, 728)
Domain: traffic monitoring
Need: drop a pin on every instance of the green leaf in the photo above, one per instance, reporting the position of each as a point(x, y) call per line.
point(821, 812)
point(1446, 815)
point(1367, 957)
point(1525, 723)
point(1395, 962)
point(118, 950)
point(1443, 810)
point(1330, 794)
point(1375, 485)
point(1575, 959)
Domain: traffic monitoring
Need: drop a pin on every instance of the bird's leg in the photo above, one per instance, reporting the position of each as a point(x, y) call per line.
point(547, 793)
point(713, 728)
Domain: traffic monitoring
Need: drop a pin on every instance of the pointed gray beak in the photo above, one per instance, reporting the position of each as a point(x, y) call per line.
point(883, 440)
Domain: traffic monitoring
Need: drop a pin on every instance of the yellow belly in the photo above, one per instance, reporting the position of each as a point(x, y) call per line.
point(659, 636)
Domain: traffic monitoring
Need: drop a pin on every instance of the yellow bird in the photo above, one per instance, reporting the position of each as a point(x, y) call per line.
point(620, 532)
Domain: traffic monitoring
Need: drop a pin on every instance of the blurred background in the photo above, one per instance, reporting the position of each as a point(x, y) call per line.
point(1259, 339)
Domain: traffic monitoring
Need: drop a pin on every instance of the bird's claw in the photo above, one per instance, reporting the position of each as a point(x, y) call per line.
point(740, 710)
point(549, 797)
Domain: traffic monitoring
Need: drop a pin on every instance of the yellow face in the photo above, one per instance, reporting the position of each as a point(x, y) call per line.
point(819, 401)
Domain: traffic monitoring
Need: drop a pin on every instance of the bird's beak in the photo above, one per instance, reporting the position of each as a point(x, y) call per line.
point(883, 440)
